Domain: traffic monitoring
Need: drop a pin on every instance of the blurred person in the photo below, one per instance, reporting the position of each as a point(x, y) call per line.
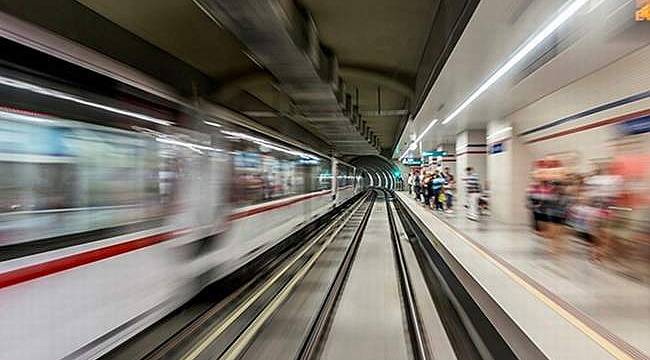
point(473, 193)
point(555, 207)
point(446, 173)
point(409, 182)
point(535, 204)
point(426, 188)
point(437, 183)
point(602, 189)
point(450, 189)
point(417, 185)
point(627, 228)
point(484, 200)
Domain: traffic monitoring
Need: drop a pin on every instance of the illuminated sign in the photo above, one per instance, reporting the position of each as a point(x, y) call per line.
point(435, 153)
point(642, 10)
point(412, 161)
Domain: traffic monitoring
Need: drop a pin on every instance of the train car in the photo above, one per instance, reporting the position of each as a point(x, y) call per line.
point(116, 210)
point(346, 181)
point(275, 188)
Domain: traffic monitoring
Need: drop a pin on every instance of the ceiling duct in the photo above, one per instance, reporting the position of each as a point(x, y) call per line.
point(284, 39)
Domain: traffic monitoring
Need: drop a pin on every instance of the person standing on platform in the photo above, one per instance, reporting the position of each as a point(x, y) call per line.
point(426, 188)
point(449, 188)
point(416, 185)
point(473, 192)
point(437, 184)
point(409, 183)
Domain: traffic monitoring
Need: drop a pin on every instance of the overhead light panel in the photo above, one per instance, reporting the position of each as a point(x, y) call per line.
point(565, 14)
point(212, 123)
point(498, 132)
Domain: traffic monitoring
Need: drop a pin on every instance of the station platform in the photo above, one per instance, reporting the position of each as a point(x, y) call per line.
point(568, 306)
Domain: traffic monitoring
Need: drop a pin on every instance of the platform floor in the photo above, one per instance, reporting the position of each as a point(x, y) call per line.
point(611, 301)
point(369, 323)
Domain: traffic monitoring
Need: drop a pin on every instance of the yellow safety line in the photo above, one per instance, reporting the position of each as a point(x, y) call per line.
point(214, 334)
point(586, 329)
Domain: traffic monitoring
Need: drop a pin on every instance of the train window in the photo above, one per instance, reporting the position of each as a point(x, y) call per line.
point(324, 175)
point(266, 171)
point(345, 176)
point(62, 177)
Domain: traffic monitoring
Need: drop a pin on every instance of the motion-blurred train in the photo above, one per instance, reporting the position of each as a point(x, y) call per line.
point(118, 206)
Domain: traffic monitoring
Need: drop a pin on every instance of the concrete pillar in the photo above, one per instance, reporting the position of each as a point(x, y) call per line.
point(508, 169)
point(470, 151)
point(449, 160)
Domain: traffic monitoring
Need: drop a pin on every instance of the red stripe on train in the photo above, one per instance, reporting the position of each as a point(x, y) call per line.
point(35, 271)
point(32, 272)
point(263, 208)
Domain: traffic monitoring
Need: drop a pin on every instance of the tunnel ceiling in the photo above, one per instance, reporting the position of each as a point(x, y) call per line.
point(390, 51)
point(373, 164)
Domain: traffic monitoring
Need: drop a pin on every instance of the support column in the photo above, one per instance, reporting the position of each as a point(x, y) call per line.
point(470, 151)
point(508, 169)
point(449, 160)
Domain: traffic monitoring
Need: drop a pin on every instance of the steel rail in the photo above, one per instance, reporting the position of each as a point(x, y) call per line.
point(318, 327)
point(416, 332)
point(239, 346)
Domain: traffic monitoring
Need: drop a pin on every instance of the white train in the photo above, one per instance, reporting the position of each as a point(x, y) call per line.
point(112, 214)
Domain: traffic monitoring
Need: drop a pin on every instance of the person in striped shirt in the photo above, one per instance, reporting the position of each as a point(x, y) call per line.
point(473, 192)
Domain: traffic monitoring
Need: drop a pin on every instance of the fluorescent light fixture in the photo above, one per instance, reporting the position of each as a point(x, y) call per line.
point(18, 84)
point(567, 12)
point(212, 124)
point(562, 17)
point(426, 130)
point(493, 135)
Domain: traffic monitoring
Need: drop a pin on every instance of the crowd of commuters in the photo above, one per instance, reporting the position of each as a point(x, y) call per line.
point(608, 208)
point(435, 189)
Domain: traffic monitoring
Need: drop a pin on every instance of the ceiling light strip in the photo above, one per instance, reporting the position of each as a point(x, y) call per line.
point(569, 10)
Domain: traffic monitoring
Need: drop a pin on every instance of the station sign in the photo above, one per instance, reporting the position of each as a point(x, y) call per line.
point(635, 126)
point(412, 161)
point(497, 148)
point(434, 153)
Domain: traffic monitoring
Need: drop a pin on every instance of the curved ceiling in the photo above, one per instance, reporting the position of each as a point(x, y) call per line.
point(388, 51)
point(380, 168)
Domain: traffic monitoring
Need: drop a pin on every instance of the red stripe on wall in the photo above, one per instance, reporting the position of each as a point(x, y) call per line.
point(593, 125)
point(35, 271)
point(263, 208)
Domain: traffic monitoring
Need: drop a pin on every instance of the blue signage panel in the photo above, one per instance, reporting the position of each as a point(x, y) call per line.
point(497, 148)
point(635, 126)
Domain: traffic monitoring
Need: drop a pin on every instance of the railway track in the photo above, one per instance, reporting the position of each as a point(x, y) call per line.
point(288, 308)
